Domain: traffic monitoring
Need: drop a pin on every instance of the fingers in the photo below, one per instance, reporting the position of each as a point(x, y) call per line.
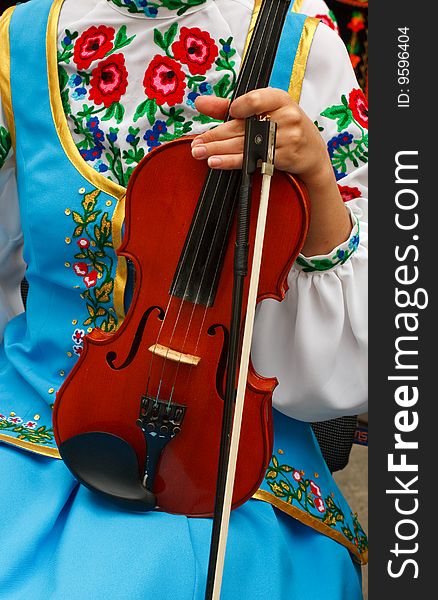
point(257, 102)
point(212, 106)
point(227, 146)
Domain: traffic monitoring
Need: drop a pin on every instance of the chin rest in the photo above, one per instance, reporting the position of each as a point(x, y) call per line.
point(106, 463)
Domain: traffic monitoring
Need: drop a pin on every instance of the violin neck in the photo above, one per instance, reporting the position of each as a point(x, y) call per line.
point(200, 264)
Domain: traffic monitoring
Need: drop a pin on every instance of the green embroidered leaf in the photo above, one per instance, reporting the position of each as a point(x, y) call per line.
point(110, 112)
point(340, 113)
point(170, 34)
point(5, 145)
point(121, 40)
point(159, 40)
point(221, 87)
point(148, 108)
point(63, 77)
point(120, 111)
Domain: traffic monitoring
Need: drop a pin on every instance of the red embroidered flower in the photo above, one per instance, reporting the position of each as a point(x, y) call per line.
point(30, 424)
point(94, 43)
point(83, 243)
point(348, 193)
point(91, 279)
point(296, 475)
point(328, 21)
point(319, 505)
point(196, 49)
point(164, 81)
point(359, 107)
point(80, 268)
point(315, 489)
point(109, 80)
point(78, 350)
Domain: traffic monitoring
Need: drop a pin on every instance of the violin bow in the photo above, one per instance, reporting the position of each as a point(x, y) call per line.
point(260, 137)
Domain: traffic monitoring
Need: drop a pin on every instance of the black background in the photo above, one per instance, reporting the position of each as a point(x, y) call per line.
point(392, 130)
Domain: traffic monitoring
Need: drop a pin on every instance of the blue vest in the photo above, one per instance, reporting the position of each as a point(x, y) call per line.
point(71, 215)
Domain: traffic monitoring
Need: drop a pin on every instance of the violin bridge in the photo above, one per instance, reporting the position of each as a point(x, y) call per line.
point(174, 355)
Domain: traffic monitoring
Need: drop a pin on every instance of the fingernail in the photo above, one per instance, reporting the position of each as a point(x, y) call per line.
point(199, 152)
point(196, 141)
point(214, 161)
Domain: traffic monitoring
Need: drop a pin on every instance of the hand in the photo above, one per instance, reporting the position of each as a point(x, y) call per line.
point(300, 148)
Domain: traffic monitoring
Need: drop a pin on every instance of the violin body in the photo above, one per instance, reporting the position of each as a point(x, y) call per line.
point(174, 350)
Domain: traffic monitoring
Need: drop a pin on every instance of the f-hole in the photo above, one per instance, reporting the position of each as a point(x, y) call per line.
point(111, 357)
point(223, 359)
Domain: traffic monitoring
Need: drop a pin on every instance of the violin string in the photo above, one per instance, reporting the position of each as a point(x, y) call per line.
point(264, 48)
point(225, 241)
point(183, 301)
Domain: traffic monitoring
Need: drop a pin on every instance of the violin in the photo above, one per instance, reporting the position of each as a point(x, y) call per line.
point(146, 430)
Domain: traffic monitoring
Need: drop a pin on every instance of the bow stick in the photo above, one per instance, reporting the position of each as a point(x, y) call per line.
point(259, 146)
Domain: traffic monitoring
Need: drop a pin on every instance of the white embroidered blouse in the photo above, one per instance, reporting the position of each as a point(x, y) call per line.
point(130, 71)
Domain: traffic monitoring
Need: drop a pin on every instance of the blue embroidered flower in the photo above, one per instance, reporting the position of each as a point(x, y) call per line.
point(191, 99)
point(159, 127)
point(112, 136)
point(67, 40)
point(226, 48)
point(100, 167)
point(74, 81)
point(130, 138)
point(205, 89)
point(354, 242)
point(92, 153)
point(340, 254)
point(343, 139)
point(79, 93)
point(92, 123)
point(152, 138)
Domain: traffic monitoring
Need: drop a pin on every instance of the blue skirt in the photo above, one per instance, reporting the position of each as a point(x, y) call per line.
point(60, 541)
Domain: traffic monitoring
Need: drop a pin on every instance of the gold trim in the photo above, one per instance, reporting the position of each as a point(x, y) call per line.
point(255, 14)
point(311, 522)
point(99, 181)
point(296, 7)
point(299, 68)
point(5, 68)
point(96, 179)
point(53, 452)
point(122, 266)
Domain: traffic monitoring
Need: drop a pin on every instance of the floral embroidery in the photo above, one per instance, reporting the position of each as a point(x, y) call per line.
point(5, 145)
point(109, 82)
point(173, 79)
point(341, 255)
point(27, 430)
point(345, 148)
point(94, 266)
point(94, 43)
point(329, 20)
point(164, 81)
point(359, 107)
point(151, 8)
point(291, 486)
point(348, 193)
point(196, 49)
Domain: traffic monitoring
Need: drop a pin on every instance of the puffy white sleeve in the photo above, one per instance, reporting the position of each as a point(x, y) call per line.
point(12, 266)
point(315, 341)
